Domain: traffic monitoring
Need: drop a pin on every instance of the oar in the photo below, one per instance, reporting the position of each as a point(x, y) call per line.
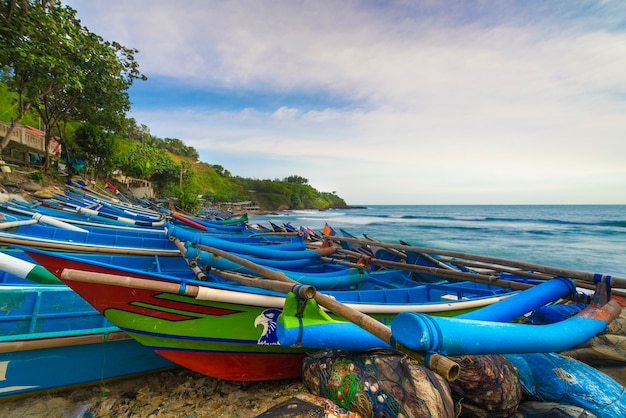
point(573, 274)
point(393, 251)
point(436, 362)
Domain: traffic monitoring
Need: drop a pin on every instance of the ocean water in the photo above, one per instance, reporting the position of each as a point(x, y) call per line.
point(590, 238)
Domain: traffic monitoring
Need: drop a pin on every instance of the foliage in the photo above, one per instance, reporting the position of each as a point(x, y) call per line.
point(144, 161)
point(176, 146)
point(25, 64)
point(8, 107)
point(136, 132)
point(296, 179)
point(188, 200)
point(62, 70)
point(94, 146)
point(36, 176)
point(285, 194)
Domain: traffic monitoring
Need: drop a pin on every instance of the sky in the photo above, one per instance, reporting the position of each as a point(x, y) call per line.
point(388, 102)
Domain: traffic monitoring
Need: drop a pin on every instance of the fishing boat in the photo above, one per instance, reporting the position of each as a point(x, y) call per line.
point(51, 339)
point(226, 329)
point(114, 241)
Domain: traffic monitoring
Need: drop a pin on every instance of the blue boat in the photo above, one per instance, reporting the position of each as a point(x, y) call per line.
point(51, 339)
point(118, 241)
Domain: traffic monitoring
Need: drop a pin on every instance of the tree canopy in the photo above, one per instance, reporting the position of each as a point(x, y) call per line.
point(61, 69)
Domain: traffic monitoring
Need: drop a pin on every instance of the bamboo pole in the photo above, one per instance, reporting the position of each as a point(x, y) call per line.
point(443, 273)
point(304, 291)
point(436, 362)
point(459, 275)
point(192, 265)
point(86, 248)
point(37, 344)
point(573, 274)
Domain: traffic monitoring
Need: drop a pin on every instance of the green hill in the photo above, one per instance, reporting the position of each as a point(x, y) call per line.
point(179, 176)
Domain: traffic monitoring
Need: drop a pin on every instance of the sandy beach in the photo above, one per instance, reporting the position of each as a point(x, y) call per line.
point(173, 393)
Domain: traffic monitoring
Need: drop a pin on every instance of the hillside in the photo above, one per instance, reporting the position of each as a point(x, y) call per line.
point(175, 176)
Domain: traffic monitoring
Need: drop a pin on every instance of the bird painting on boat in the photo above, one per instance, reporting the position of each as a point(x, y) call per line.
point(268, 320)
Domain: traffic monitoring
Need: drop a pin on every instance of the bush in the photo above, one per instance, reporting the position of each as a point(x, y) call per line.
point(36, 176)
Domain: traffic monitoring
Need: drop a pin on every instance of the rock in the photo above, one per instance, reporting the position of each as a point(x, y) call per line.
point(30, 186)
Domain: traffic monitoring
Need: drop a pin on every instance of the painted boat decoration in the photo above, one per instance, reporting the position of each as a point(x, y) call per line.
point(228, 330)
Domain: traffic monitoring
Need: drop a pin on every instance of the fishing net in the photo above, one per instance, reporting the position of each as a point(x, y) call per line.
point(550, 377)
point(487, 386)
point(550, 409)
point(307, 406)
point(379, 383)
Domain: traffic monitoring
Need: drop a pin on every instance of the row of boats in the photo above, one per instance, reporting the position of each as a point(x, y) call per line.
point(98, 285)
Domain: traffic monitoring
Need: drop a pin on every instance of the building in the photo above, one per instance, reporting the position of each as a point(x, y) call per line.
point(27, 145)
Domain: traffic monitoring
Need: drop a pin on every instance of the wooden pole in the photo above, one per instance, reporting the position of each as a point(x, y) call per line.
point(86, 248)
point(304, 291)
point(192, 265)
point(444, 273)
point(436, 362)
point(25, 345)
point(573, 274)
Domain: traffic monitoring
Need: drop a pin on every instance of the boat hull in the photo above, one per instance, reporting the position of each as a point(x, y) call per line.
point(224, 333)
point(68, 362)
point(223, 340)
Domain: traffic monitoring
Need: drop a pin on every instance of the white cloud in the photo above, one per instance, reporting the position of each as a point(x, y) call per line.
point(442, 107)
point(285, 112)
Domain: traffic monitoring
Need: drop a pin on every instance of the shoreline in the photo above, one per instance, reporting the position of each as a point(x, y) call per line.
point(175, 392)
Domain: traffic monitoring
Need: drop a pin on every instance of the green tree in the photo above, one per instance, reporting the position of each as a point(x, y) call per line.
point(144, 161)
point(178, 147)
point(26, 64)
point(62, 70)
point(95, 146)
point(296, 179)
point(136, 132)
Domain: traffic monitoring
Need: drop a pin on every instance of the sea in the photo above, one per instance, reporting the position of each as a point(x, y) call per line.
point(586, 238)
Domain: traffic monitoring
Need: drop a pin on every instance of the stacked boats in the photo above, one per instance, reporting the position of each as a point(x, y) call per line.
point(235, 302)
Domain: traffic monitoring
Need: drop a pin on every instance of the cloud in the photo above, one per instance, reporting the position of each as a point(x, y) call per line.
point(413, 102)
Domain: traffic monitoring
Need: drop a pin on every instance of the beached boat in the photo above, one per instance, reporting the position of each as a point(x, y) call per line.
point(113, 240)
point(227, 330)
point(487, 330)
point(51, 339)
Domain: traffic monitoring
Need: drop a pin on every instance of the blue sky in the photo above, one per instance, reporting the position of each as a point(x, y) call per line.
point(389, 102)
